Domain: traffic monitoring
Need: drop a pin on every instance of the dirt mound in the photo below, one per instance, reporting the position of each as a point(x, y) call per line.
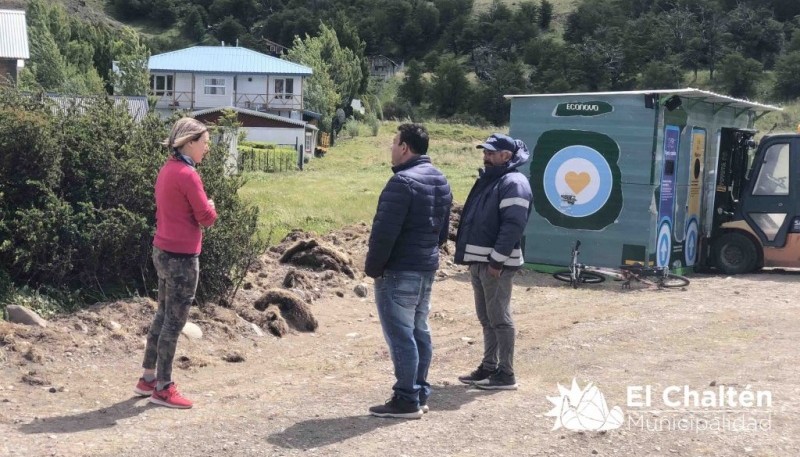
point(455, 220)
point(318, 255)
point(291, 307)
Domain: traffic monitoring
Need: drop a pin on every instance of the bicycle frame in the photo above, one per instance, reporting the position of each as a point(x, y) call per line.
point(627, 274)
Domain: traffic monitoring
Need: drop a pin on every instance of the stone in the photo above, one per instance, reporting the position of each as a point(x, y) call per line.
point(256, 329)
point(113, 325)
point(361, 290)
point(21, 315)
point(192, 331)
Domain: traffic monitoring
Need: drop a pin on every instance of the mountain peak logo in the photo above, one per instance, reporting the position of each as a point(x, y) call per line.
point(583, 409)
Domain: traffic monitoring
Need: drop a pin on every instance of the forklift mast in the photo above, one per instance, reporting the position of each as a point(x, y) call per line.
point(732, 170)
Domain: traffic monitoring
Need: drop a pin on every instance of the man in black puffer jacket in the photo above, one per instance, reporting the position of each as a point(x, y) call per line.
point(411, 222)
point(488, 240)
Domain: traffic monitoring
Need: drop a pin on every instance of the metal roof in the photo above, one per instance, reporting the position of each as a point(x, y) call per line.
point(13, 35)
point(136, 106)
point(688, 93)
point(273, 117)
point(224, 59)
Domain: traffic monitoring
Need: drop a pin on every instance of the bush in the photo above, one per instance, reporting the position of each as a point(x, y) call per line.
point(352, 128)
point(77, 213)
point(257, 145)
point(373, 123)
point(400, 110)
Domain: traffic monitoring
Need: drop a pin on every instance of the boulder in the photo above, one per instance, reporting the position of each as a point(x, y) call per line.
point(21, 315)
point(192, 331)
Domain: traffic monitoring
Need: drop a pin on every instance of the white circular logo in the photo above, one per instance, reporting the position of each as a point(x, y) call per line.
point(577, 181)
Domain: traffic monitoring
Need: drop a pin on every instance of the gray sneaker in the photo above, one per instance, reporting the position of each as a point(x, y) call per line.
point(497, 381)
point(479, 374)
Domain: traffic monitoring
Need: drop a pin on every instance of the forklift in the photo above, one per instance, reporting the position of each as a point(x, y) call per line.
point(756, 211)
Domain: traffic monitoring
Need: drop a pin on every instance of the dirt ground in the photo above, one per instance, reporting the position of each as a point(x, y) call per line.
point(66, 390)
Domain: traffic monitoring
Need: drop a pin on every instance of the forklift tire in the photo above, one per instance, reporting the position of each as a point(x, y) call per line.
point(735, 253)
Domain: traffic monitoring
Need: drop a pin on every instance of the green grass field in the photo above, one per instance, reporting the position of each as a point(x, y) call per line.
point(343, 187)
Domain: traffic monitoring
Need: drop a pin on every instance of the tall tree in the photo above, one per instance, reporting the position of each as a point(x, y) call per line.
point(337, 72)
point(739, 75)
point(132, 77)
point(413, 86)
point(787, 76)
point(545, 15)
point(450, 88)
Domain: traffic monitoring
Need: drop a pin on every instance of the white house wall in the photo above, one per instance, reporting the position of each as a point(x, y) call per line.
point(183, 89)
point(252, 88)
point(277, 135)
point(210, 101)
point(285, 104)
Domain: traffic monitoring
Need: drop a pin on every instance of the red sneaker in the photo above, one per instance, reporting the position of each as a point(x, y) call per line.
point(144, 388)
point(170, 398)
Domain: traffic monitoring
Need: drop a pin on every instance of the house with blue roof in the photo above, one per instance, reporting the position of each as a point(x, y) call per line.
point(203, 77)
point(266, 92)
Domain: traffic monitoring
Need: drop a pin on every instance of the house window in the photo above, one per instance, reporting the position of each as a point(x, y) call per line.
point(161, 85)
point(214, 86)
point(308, 141)
point(284, 88)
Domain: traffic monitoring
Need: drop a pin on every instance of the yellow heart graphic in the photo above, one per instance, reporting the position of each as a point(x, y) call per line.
point(577, 181)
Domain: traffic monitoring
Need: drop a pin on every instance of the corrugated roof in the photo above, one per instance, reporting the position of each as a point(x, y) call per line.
point(13, 35)
point(689, 93)
point(137, 106)
point(273, 117)
point(224, 59)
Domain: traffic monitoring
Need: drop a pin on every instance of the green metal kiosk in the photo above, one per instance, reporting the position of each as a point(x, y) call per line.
point(630, 174)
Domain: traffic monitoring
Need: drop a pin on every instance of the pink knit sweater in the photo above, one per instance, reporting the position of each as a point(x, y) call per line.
point(181, 208)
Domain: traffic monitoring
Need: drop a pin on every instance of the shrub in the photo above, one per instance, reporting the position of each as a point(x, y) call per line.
point(77, 213)
point(352, 128)
point(373, 123)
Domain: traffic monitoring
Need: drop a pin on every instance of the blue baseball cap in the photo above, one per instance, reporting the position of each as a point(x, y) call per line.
point(499, 142)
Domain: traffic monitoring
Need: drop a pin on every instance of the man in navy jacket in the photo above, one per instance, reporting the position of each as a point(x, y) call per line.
point(492, 223)
point(411, 222)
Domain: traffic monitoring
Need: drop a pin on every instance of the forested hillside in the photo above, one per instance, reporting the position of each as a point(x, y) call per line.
point(461, 56)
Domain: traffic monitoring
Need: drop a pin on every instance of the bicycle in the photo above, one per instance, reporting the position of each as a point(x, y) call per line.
point(580, 273)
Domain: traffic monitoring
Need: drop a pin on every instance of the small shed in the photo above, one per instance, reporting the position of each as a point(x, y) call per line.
point(270, 128)
point(631, 174)
point(14, 50)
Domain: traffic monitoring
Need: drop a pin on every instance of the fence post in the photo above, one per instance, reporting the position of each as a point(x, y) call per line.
point(299, 149)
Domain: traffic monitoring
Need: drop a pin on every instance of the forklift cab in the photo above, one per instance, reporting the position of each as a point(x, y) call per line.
point(763, 228)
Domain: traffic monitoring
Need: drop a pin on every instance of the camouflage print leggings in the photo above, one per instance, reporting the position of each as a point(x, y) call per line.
point(177, 283)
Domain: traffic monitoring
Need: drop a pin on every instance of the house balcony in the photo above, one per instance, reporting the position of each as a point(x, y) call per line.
point(269, 102)
point(174, 100)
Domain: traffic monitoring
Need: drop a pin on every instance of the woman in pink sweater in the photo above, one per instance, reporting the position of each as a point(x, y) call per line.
point(182, 209)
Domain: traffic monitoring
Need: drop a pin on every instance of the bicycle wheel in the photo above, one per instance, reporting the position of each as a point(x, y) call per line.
point(565, 276)
point(586, 277)
point(673, 280)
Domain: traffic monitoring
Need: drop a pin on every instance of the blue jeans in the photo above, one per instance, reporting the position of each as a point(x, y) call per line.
point(404, 301)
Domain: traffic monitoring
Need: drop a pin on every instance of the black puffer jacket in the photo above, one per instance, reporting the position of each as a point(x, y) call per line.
point(412, 220)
